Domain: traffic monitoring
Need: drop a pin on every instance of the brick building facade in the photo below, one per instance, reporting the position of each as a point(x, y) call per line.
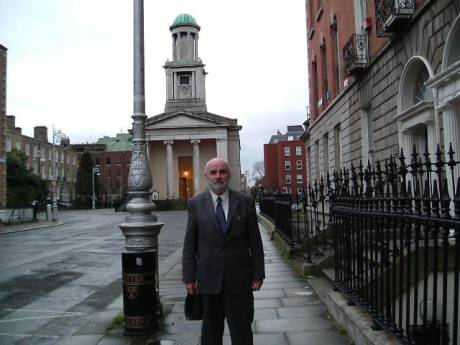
point(284, 162)
point(382, 78)
point(55, 163)
point(112, 157)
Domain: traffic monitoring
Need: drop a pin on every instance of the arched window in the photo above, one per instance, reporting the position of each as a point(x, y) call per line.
point(416, 116)
point(420, 90)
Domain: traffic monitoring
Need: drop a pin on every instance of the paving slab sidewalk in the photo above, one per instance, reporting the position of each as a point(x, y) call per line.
point(287, 311)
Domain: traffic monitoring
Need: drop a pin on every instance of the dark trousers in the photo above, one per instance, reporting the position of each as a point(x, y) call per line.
point(239, 312)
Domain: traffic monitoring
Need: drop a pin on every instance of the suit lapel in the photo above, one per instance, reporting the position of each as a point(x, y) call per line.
point(232, 204)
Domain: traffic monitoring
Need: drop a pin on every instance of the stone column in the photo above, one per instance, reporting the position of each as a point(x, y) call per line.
point(221, 148)
point(431, 136)
point(174, 46)
point(169, 169)
point(196, 47)
point(190, 44)
point(451, 125)
point(196, 166)
point(408, 144)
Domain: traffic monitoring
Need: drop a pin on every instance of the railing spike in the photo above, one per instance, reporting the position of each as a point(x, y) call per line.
point(426, 199)
point(435, 199)
point(445, 200)
point(408, 207)
point(457, 202)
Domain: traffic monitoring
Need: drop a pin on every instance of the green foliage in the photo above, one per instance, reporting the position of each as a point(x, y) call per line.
point(117, 323)
point(84, 187)
point(23, 186)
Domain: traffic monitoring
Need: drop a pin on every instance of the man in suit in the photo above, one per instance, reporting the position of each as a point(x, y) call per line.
point(223, 257)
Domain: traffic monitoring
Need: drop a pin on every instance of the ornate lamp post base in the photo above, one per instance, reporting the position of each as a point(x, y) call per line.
point(141, 296)
point(141, 228)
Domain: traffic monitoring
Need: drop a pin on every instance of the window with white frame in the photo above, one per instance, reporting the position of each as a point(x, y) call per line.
point(298, 150)
point(18, 145)
point(27, 149)
point(288, 178)
point(287, 151)
point(367, 136)
point(299, 164)
point(290, 138)
point(317, 172)
point(285, 190)
point(299, 179)
point(8, 144)
point(287, 165)
point(325, 153)
point(337, 148)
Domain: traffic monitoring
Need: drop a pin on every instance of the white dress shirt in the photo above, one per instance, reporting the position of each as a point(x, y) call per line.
point(224, 197)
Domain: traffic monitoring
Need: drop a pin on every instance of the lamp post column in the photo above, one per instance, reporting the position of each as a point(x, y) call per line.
point(94, 194)
point(57, 137)
point(141, 300)
point(94, 171)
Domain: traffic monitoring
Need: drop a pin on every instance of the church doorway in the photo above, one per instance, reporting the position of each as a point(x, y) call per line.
point(185, 177)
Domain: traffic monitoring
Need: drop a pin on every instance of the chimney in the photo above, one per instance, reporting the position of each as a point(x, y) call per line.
point(18, 129)
point(41, 133)
point(10, 122)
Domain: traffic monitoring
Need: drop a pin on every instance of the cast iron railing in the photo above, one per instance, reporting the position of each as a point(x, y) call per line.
point(302, 220)
point(397, 244)
point(391, 14)
point(277, 207)
point(355, 54)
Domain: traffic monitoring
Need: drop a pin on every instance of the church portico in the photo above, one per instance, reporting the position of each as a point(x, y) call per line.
point(183, 138)
point(182, 176)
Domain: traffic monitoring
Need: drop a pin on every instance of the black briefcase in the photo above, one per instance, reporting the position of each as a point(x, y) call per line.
point(193, 307)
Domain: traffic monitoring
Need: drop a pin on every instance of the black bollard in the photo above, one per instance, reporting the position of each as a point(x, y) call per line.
point(139, 296)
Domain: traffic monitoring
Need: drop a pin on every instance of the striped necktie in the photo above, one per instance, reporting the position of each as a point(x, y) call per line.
point(220, 215)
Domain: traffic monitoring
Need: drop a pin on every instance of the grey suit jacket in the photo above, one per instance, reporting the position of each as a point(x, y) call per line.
point(212, 258)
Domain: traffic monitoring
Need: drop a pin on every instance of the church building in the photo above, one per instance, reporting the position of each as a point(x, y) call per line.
point(183, 138)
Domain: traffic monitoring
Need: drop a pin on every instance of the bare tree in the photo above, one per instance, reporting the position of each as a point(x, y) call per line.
point(258, 172)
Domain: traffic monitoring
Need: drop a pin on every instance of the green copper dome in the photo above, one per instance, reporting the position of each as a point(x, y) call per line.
point(184, 19)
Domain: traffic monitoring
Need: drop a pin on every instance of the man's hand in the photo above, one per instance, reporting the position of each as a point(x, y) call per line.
point(192, 288)
point(257, 284)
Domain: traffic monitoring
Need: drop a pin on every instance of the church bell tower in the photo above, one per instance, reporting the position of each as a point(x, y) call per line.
point(185, 74)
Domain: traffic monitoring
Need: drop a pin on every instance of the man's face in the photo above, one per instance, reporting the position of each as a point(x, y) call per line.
point(218, 175)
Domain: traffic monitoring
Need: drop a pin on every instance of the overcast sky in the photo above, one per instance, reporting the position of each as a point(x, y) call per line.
point(70, 64)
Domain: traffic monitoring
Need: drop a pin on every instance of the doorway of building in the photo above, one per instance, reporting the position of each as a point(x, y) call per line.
point(185, 177)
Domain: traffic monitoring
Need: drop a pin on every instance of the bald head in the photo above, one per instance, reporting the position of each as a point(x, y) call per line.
point(217, 173)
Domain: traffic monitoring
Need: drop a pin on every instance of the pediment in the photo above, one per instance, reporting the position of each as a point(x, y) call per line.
point(183, 120)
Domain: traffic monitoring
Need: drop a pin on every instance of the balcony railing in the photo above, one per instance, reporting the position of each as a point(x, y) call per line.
point(355, 54)
point(391, 14)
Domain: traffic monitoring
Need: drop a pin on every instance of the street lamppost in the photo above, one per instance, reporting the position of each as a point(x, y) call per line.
point(95, 171)
point(141, 298)
point(58, 136)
